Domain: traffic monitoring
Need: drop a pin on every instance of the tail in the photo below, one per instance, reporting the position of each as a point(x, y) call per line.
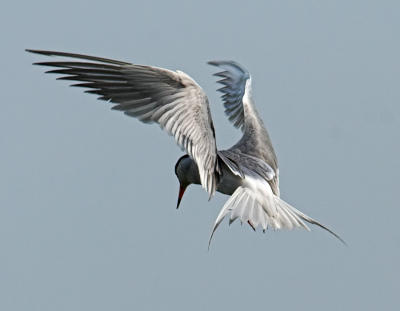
point(311, 220)
point(274, 213)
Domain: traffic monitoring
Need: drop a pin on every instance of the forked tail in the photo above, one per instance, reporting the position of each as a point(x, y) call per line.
point(273, 213)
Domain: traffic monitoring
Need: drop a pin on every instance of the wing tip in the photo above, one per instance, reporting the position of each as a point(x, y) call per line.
point(222, 62)
point(79, 56)
point(231, 63)
point(213, 63)
point(41, 52)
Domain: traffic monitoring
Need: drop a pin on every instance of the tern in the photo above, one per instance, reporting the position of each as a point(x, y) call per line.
point(248, 171)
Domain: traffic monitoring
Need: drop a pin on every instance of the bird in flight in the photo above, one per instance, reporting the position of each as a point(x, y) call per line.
point(248, 171)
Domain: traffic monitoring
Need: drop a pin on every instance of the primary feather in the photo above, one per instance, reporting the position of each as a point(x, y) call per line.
point(170, 98)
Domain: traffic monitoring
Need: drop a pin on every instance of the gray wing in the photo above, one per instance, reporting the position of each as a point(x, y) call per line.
point(171, 99)
point(233, 79)
point(239, 162)
point(240, 109)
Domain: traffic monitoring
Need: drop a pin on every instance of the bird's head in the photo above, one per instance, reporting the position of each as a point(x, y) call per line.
point(187, 172)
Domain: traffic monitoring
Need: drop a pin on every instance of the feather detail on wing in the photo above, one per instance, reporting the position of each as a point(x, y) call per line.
point(249, 162)
point(233, 79)
point(231, 163)
point(240, 109)
point(151, 94)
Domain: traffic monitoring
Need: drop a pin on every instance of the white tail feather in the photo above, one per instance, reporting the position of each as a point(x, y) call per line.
point(273, 213)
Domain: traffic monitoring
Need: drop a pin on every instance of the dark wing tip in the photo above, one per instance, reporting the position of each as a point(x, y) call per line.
point(81, 56)
point(218, 63)
point(233, 63)
point(48, 53)
point(213, 63)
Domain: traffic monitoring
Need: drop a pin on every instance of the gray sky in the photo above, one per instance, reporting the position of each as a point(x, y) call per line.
point(87, 216)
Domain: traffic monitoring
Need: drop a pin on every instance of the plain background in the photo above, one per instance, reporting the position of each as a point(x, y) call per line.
point(87, 195)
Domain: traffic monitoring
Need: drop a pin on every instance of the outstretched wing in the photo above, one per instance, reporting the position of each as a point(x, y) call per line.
point(171, 99)
point(233, 79)
point(240, 109)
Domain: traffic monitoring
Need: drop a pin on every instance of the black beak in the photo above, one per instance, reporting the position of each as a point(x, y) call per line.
point(180, 195)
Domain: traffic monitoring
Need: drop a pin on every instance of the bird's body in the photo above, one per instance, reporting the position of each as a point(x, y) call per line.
point(248, 171)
